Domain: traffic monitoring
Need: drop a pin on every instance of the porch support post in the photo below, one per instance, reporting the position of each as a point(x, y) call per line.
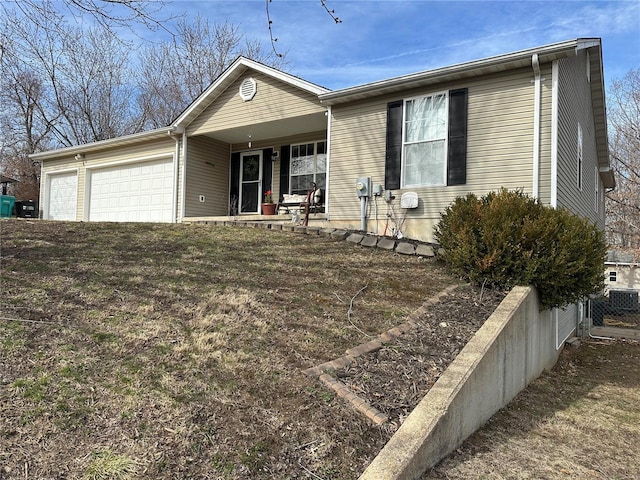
point(183, 194)
point(173, 133)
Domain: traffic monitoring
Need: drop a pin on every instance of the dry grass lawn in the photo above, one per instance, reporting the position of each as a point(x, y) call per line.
point(579, 421)
point(177, 351)
point(137, 351)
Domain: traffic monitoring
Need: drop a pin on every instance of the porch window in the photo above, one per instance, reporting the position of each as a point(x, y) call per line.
point(308, 164)
point(425, 141)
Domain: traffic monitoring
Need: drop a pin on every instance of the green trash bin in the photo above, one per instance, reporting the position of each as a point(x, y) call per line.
point(6, 205)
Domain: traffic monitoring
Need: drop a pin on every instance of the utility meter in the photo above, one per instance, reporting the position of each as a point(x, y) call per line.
point(363, 186)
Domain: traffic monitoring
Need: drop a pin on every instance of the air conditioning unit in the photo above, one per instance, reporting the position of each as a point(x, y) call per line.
point(623, 301)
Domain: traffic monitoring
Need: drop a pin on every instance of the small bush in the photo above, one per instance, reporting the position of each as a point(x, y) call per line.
point(507, 238)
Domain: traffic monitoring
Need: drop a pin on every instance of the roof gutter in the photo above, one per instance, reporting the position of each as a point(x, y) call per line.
point(508, 61)
point(103, 144)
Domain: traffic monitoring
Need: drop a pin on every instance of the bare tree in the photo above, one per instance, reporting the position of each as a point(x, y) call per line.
point(623, 204)
point(23, 130)
point(87, 91)
point(96, 99)
point(173, 74)
point(108, 14)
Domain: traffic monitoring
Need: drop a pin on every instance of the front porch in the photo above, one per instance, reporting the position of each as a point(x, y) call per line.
point(255, 135)
point(227, 180)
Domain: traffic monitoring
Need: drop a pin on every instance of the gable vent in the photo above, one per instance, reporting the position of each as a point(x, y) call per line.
point(248, 89)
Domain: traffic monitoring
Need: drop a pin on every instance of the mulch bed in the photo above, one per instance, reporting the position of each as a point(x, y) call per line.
point(396, 377)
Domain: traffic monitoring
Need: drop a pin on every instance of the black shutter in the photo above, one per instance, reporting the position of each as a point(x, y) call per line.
point(285, 160)
point(392, 163)
point(267, 170)
point(457, 149)
point(234, 188)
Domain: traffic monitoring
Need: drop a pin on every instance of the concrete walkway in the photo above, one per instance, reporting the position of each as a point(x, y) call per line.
point(615, 332)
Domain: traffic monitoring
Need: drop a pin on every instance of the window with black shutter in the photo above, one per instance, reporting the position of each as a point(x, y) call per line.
point(419, 132)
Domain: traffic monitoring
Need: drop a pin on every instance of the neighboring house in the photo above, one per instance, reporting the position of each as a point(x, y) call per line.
point(533, 120)
point(622, 271)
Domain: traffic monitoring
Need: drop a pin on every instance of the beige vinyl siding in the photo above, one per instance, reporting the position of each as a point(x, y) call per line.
point(544, 181)
point(273, 101)
point(207, 173)
point(499, 147)
point(574, 107)
point(627, 276)
point(109, 157)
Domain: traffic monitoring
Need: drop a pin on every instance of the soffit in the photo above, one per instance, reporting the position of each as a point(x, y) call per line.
point(275, 129)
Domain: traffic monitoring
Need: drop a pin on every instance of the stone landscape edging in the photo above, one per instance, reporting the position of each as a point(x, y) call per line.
point(324, 370)
point(401, 246)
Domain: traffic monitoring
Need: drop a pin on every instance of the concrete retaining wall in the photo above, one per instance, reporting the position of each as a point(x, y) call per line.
point(514, 346)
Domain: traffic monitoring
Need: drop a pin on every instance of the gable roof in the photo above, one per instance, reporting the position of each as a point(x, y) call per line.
point(230, 75)
point(519, 59)
point(500, 63)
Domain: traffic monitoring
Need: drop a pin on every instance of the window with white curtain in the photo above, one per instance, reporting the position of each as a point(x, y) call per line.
point(308, 164)
point(424, 159)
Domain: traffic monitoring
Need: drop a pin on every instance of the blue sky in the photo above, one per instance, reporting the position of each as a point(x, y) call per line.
point(384, 38)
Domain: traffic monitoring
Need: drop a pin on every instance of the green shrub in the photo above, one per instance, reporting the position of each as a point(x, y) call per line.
point(507, 238)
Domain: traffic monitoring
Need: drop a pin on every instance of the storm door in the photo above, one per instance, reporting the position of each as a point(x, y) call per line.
point(250, 181)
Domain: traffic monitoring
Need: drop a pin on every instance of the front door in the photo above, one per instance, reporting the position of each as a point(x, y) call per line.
point(250, 181)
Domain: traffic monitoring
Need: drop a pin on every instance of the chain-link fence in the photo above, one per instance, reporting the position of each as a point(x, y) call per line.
point(617, 308)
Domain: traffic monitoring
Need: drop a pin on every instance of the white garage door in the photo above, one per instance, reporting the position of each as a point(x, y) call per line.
point(63, 196)
point(139, 192)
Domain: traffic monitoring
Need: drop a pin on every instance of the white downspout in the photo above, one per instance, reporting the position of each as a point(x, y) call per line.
point(363, 213)
point(554, 134)
point(326, 193)
point(44, 197)
point(535, 63)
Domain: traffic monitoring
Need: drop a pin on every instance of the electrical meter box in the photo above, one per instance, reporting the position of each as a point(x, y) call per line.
point(363, 186)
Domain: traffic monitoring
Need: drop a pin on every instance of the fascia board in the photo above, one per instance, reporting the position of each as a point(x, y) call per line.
point(464, 70)
point(103, 144)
